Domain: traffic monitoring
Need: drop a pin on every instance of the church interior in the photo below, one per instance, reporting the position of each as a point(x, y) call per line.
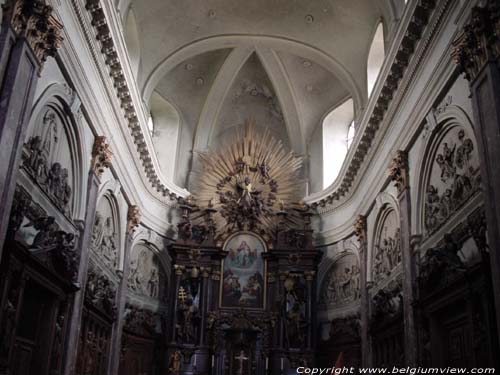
point(242, 187)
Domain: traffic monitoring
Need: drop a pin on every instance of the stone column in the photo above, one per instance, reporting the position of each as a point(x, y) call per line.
point(133, 221)
point(398, 172)
point(477, 54)
point(361, 233)
point(101, 159)
point(29, 35)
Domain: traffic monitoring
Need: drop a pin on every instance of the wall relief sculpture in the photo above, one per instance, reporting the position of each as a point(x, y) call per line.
point(342, 283)
point(100, 292)
point(45, 157)
point(387, 254)
point(105, 236)
point(143, 322)
point(145, 273)
point(454, 178)
point(387, 303)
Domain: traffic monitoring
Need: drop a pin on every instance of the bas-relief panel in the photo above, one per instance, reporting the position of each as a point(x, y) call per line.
point(105, 235)
point(145, 274)
point(387, 251)
point(47, 158)
point(342, 282)
point(454, 178)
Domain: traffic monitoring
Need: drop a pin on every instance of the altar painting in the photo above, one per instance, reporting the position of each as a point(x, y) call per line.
point(243, 284)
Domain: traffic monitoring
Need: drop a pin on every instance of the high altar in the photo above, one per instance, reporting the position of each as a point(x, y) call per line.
point(243, 282)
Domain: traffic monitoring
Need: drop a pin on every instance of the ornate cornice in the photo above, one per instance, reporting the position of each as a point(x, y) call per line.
point(479, 40)
point(133, 218)
point(398, 171)
point(394, 86)
point(360, 228)
point(123, 93)
point(101, 155)
point(33, 20)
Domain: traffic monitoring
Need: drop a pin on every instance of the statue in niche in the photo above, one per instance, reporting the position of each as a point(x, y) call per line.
point(153, 283)
point(458, 180)
point(145, 275)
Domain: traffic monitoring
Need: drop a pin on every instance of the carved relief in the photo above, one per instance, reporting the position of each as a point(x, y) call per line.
point(101, 155)
point(100, 292)
point(387, 302)
point(43, 158)
point(454, 178)
point(387, 252)
point(145, 272)
point(141, 321)
point(398, 170)
point(342, 284)
point(104, 239)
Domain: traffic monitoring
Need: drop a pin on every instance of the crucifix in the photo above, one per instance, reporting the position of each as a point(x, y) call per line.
point(241, 358)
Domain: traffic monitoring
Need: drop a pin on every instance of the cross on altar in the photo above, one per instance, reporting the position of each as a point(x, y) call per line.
point(241, 358)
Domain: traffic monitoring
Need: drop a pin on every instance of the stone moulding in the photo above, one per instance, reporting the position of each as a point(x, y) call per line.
point(117, 75)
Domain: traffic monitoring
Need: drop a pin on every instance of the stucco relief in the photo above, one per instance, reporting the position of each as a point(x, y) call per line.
point(46, 158)
point(454, 178)
point(342, 283)
point(105, 236)
point(145, 272)
point(387, 254)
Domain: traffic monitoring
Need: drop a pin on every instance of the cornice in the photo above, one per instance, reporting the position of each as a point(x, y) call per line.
point(124, 94)
point(405, 61)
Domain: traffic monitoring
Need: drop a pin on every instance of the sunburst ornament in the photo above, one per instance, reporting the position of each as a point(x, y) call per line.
point(250, 183)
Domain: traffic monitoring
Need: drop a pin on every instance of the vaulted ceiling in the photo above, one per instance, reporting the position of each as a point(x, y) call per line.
point(285, 63)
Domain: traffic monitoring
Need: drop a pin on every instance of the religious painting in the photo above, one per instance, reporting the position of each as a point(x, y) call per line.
point(243, 270)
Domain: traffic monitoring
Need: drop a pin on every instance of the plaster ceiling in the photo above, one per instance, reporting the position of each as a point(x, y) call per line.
point(286, 63)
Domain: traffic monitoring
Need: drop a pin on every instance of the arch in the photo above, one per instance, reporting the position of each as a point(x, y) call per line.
point(253, 41)
point(376, 57)
point(63, 102)
point(132, 40)
point(335, 129)
point(166, 134)
point(448, 122)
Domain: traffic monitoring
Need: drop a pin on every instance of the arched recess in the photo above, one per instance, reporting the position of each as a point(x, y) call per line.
point(106, 239)
point(253, 41)
point(341, 284)
point(376, 56)
point(449, 170)
point(53, 150)
point(385, 251)
point(147, 277)
point(132, 40)
point(335, 131)
point(165, 133)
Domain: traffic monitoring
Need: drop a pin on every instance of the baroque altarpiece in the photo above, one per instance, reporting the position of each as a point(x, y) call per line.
point(244, 265)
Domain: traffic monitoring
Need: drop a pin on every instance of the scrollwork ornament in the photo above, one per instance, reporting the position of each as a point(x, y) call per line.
point(398, 170)
point(101, 155)
point(33, 20)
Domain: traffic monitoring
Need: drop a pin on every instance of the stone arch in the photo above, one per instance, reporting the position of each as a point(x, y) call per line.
point(445, 183)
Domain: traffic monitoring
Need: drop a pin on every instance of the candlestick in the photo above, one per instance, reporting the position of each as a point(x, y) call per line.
point(267, 363)
point(213, 360)
point(281, 363)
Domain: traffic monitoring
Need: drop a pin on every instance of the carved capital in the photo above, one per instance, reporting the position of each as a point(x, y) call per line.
point(133, 218)
point(479, 40)
point(398, 171)
point(179, 269)
point(360, 228)
point(101, 155)
point(309, 275)
point(33, 20)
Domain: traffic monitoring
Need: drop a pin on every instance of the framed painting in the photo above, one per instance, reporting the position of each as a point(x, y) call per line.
point(243, 282)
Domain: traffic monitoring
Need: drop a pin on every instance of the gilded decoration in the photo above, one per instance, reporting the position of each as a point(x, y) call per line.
point(101, 155)
point(33, 20)
point(251, 184)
